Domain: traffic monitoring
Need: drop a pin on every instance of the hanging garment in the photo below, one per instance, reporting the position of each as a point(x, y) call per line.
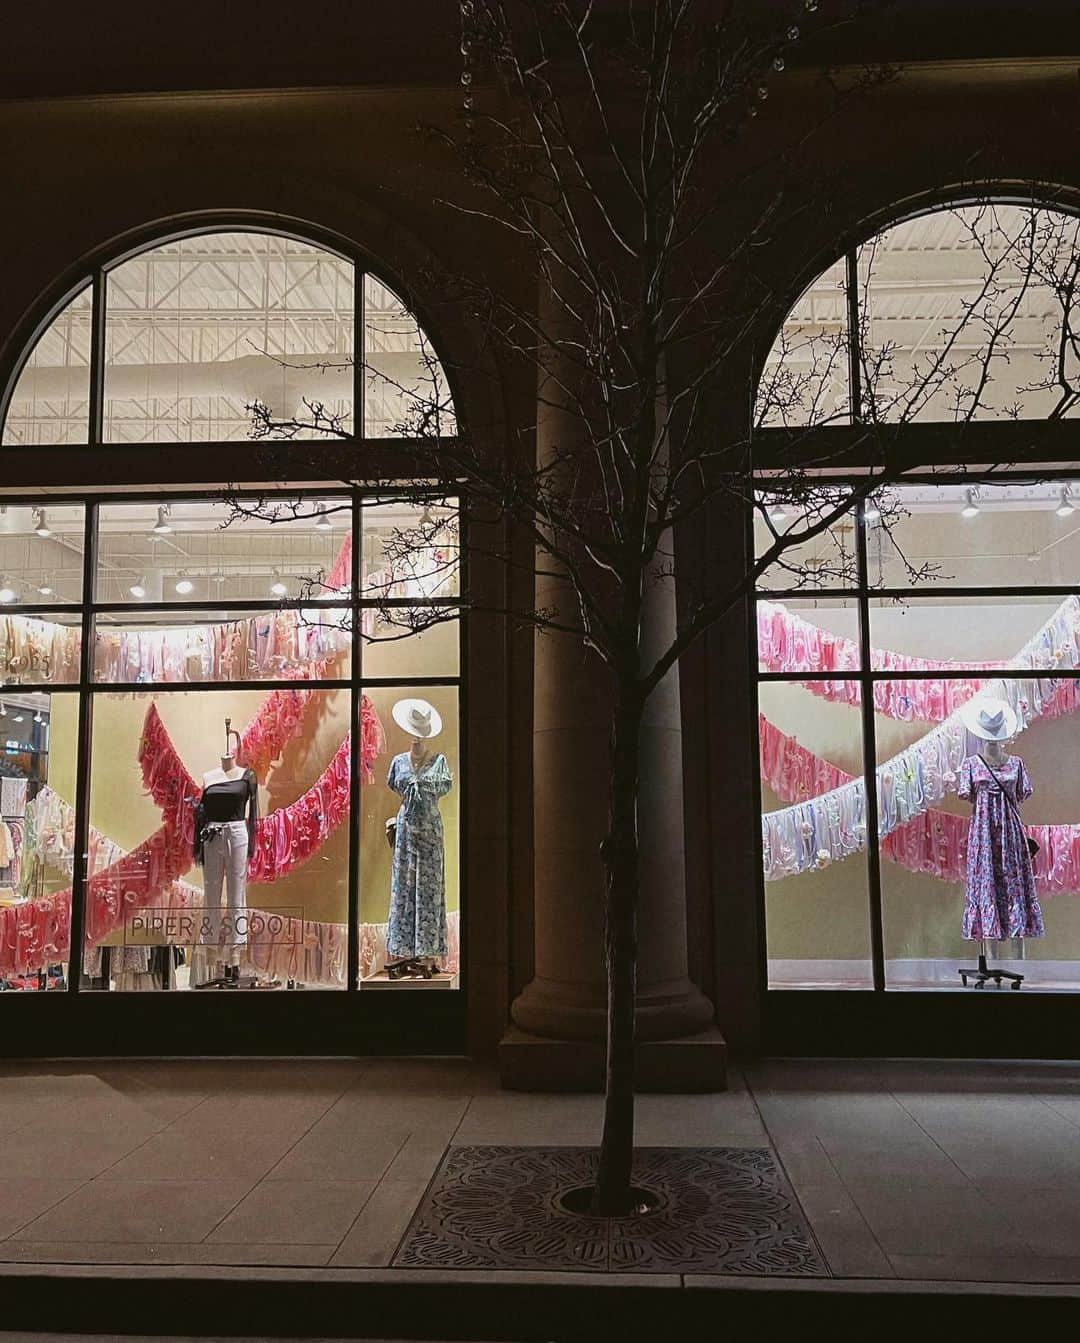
point(1001, 899)
point(417, 880)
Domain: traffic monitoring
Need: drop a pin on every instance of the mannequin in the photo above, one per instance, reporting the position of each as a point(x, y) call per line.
point(1001, 901)
point(416, 935)
point(224, 837)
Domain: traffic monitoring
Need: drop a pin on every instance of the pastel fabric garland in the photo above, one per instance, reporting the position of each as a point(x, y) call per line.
point(934, 843)
point(314, 952)
point(788, 643)
point(832, 826)
point(285, 839)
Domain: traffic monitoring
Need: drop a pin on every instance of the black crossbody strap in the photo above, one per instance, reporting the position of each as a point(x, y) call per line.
point(1008, 796)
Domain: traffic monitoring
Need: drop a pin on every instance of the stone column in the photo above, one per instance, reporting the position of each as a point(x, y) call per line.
point(557, 1039)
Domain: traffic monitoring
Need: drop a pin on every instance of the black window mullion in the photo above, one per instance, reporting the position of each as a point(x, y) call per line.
point(869, 735)
point(851, 284)
point(352, 974)
point(80, 863)
point(359, 345)
point(95, 416)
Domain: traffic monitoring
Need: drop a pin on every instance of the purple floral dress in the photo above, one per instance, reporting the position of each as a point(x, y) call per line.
point(1001, 899)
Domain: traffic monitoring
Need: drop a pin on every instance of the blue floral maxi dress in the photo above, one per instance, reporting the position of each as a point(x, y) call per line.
point(1001, 899)
point(417, 878)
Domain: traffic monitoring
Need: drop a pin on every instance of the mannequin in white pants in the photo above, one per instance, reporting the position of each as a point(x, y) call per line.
point(224, 836)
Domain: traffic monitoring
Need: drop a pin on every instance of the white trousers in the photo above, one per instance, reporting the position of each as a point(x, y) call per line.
point(225, 860)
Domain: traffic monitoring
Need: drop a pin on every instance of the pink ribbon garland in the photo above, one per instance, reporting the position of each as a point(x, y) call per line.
point(40, 930)
point(936, 841)
point(787, 643)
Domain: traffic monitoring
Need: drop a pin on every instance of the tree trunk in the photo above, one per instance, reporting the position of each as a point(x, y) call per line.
point(621, 870)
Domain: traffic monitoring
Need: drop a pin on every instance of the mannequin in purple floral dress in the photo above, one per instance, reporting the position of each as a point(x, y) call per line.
point(1001, 900)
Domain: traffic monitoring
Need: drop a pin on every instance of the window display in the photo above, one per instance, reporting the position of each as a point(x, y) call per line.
point(974, 696)
point(225, 731)
point(37, 766)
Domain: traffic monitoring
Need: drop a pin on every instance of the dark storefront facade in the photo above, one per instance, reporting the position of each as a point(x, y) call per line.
point(233, 253)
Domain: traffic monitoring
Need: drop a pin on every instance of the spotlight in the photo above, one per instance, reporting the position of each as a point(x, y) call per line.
point(45, 590)
point(778, 513)
point(41, 527)
point(138, 588)
point(322, 521)
point(971, 508)
point(277, 587)
point(161, 527)
point(871, 512)
point(38, 718)
point(7, 592)
point(18, 718)
point(1066, 508)
point(3, 710)
point(184, 585)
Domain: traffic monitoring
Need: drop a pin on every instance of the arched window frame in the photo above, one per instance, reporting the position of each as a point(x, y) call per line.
point(93, 273)
point(1036, 450)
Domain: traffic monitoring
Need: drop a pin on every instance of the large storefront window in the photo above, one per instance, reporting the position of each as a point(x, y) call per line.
point(234, 689)
point(999, 636)
point(230, 719)
point(918, 659)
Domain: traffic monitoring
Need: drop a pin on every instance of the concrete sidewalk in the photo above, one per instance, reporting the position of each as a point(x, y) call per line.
point(926, 1172)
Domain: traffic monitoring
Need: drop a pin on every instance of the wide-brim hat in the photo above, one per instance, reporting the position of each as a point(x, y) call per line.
point(990, 719)
point(417, 717)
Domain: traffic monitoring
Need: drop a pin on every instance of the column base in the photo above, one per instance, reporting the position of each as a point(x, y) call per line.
point(691, 1063)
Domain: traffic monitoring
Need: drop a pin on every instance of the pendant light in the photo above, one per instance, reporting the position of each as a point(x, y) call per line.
point(971, 508)
point(162, 527)
point(1066, 508)
point(322, 519)
point(138, 588)
point(277, 585)
point(41, 526)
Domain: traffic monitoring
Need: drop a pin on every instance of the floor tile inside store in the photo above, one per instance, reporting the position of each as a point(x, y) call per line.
point(903, 1169)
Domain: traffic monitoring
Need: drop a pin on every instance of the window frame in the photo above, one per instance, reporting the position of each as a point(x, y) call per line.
point(932, 452)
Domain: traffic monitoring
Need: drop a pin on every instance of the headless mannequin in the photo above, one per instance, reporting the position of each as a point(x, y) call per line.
point(226, 863)
point(996, 756)
point(428, 965)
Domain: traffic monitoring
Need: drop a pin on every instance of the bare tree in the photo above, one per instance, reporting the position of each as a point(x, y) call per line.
point(601, 145)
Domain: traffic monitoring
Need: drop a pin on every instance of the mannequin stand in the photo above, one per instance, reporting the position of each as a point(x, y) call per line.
point(983, 972)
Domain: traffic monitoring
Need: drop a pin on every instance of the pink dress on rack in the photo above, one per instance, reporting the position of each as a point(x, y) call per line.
point(1001, 899)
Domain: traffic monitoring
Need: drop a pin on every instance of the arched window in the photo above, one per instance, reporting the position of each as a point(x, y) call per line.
point(966, 313)
point(152, 628)
point(219, 336)
point(948, 590)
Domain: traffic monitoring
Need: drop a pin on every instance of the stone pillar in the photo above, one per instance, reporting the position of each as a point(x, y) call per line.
point(557, 1039)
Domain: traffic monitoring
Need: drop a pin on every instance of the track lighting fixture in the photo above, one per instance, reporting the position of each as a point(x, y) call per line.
point(277, 586)
point(162, 527)
point(1066, 508)
point(971, 507)
point(322, 519)
point(41, 526)
point(138, 588)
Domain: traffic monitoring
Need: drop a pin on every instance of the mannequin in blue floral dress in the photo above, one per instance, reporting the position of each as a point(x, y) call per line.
point(417, 881)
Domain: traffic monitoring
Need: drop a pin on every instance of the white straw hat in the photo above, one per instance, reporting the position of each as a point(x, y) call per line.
point(990, 719)
point(417, 717)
